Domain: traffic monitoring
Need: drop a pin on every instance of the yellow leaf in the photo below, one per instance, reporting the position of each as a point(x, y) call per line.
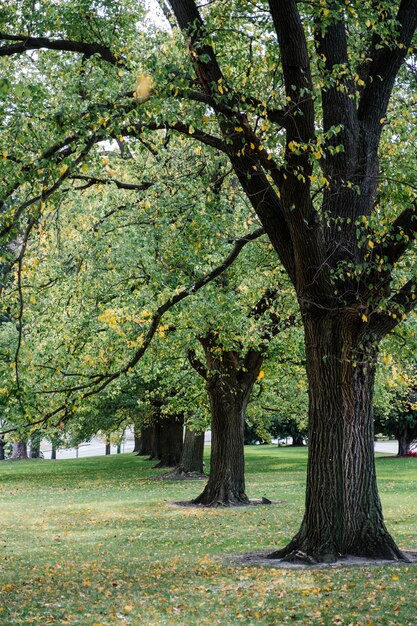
point(238, 129)
point(364, 318)
point(371, 244)
point(144, 86)
point(261, 375)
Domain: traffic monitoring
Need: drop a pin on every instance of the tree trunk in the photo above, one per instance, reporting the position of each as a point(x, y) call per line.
point(297, 439)
point(343, 511)
point(35, 446)
point(2, 454)
point(192, 455)
point(108, 447)
point(53, 452)
point(229, 382)
point(19, 451)
point(226, 484)
point(147, 436)
point(406, 439)
point(170, 436)
point(138, 442)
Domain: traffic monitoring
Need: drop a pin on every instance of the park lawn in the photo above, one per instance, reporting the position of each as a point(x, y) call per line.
point(97, 542)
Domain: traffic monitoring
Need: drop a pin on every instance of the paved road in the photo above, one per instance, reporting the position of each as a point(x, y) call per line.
point(96, 447)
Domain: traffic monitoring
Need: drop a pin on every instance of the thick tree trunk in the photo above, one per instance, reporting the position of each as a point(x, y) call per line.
point(19, 451)
point(192, 454)
point(229, 382)
point(226, 484)
point(146, 442)
point(343, 512)
point(170, 437)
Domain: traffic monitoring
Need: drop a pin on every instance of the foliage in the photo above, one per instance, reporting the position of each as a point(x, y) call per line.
point(395, 409)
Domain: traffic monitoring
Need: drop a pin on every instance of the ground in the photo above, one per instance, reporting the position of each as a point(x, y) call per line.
point(96, 542)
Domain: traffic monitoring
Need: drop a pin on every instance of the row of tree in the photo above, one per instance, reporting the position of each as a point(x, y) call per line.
point(141, 165)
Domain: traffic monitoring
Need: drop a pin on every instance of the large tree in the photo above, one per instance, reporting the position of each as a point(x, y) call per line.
point(339, 63)
point(312, 104)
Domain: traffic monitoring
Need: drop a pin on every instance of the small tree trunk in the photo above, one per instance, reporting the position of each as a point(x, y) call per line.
point(108, 447)
point(170, 436)
point(297, 439)
point(137, 441)
point(35, 446)
point(19, 451)
point(2, 454)
point(343, 511)
point(404, 442)
point(229, 382)
point(53, 452)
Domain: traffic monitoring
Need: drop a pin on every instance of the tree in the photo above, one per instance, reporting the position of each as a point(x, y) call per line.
point(395, 390)
point(342, 272)
point(316, 124)
point(230, 370)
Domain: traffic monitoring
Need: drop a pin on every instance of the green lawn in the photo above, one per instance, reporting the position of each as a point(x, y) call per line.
point(95, 542)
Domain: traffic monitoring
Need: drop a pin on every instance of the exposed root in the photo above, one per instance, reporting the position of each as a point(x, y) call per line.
point(298, 552)
point(220, 502)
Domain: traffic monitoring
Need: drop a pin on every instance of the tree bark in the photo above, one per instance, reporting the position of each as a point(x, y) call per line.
point(19, 451)
point(108, 447)
point(343, 511)
point(229, 382)
point(192, 454)
point(297, 440)
point(170, 436)
point(137, 441)
point(406, 437)
point(53, 452)
point(146, 440)
point(2, 454)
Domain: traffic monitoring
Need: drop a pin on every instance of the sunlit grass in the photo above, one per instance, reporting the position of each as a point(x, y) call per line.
point(96, 541)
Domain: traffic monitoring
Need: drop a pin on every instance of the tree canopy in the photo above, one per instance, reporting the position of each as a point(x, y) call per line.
point(311, 108)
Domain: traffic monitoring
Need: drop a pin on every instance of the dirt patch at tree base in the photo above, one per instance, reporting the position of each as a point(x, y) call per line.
point(260, 559)
point(261, 502)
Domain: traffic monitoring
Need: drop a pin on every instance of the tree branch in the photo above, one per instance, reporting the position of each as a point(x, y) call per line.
point(196, 363)
point(101, 381)
point(91, 180)
point(402, 303)
point(383, 69)
point(296, 69)
point(402, 232)
point(25, 43)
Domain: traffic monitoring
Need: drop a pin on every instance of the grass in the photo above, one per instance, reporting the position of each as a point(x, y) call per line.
point(95, 542)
